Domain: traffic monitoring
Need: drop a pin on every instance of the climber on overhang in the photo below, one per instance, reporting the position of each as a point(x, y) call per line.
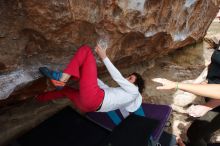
point(93, 94)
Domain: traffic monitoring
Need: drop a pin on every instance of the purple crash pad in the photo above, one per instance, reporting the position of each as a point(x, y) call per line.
point(157, 112)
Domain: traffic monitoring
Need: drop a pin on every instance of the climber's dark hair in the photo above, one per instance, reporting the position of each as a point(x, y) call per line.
point(139, 81)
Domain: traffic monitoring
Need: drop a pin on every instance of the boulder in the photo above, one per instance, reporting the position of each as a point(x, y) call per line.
point(37, 33)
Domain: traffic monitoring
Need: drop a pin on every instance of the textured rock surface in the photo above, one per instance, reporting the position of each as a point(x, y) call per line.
point(39, 32)
point(35, 33)
point(180, 65)
point(183, 64)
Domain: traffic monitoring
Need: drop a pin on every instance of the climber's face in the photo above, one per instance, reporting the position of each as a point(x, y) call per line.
point(131, 78)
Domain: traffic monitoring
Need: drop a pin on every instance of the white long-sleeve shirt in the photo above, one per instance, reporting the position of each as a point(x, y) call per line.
point(125, 96)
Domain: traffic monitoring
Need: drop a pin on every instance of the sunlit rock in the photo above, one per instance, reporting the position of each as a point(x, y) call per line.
point(37, 32)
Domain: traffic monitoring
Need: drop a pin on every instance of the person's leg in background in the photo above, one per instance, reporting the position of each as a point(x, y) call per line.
point(201, 130)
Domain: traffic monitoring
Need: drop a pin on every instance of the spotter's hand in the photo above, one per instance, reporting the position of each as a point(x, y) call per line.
point(166, 84)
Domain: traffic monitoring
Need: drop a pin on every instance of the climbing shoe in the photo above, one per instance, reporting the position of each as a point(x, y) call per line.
point(54, 76)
